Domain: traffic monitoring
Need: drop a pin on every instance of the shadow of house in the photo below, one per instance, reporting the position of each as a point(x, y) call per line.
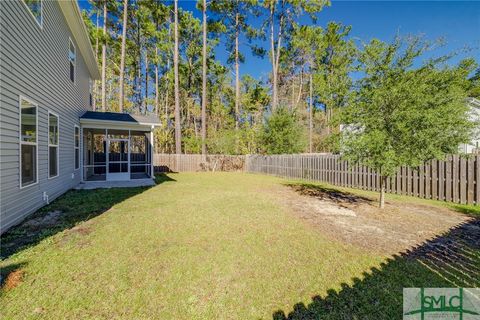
point(163, 169)
point(65, 213)
point(449, 260)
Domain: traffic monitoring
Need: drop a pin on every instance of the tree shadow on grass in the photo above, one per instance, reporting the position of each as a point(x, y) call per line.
point(66, 212)
point(449, 260)
point(325, 193)
point(163, 169)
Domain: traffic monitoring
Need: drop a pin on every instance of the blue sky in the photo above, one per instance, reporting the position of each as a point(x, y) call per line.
point(458, 22)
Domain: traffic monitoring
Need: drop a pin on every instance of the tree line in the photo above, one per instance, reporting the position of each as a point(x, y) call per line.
point(158, 58)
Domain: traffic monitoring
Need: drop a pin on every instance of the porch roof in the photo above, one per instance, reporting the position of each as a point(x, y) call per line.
point(116, 118)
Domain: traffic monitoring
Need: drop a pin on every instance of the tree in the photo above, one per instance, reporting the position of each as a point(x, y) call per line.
point(204, 78)
point(474, 85)
point(282, 133)
point(336, 61)
point(308, 42)
point(178, 128)
point(104, 57)
point(401, 115)
point(122, 55)
point(232, 21)
point(255, 99)
point(281, 21)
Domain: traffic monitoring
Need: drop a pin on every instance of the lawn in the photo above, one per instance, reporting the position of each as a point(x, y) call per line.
point(203, 246)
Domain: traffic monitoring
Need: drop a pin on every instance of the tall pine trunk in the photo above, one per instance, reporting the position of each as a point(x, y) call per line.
point(272, 53)
point(310, 116)
point(104, 58)
point(204, 80)
point(95, 83)
point(178, 128)
point(300, 89)
point(167, 80)
point(145, 101)
point(167, 89)
point(237, 74)
point(275, 53)
point(138, 66)
point(122, 56)
point(383, 182)
point(156, 80)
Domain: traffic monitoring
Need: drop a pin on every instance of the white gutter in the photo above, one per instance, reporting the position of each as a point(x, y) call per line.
point(118, 123)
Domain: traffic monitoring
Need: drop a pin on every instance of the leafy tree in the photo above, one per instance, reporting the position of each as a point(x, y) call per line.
point(307, 42)
point(255, 100)
point(282, 133)
point(335, 61)
point(401, 115)
point(474, 85)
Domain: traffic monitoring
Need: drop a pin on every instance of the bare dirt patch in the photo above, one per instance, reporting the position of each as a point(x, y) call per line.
point(358, 221)
point(13, 279)
point(47, 220)
point(80, 229)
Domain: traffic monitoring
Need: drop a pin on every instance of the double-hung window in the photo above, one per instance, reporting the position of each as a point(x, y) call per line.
point(28, 142)
point(35, 7)
point(52, 145)
point(72, 59)
point(76, 146)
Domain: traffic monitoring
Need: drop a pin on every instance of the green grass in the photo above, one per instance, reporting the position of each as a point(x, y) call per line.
point(198, 246)
point(468, 209)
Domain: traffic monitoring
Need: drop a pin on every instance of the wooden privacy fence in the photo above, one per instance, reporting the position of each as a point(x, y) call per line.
point(456, 179)
point(197, 162)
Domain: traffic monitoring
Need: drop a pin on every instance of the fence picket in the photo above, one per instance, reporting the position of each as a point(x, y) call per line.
point(453, 179)
point(470, 181)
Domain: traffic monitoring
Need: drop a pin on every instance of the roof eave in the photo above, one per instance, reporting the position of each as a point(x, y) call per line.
point(73, 17)
point(128, 124)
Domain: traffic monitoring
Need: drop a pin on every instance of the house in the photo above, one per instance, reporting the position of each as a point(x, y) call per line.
point(50, 138)
point(474, 145)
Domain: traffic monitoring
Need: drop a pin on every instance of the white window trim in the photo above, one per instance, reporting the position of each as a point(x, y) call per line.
point(40, 24)
point(25, 142)
point(75, 147)
point(74, 62)
point(53, 145)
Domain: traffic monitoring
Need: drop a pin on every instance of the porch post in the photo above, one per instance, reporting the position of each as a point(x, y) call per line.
point(152, 173)
point(128, 154)
point(80, 153)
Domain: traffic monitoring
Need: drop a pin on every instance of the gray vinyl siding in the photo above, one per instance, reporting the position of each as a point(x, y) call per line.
point(34, 64)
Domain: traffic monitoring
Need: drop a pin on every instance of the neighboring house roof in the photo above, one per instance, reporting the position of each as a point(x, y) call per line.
point(74, 19)
point(126, 118)
point(473, 102)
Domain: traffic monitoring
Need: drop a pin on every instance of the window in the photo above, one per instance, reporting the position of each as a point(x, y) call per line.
point(35, 7)
point(28, 142)
point(72, 58)
point(52, 145)
point(76, 147)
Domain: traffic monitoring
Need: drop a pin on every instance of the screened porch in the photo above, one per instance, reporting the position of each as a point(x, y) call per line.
point(113, 154)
